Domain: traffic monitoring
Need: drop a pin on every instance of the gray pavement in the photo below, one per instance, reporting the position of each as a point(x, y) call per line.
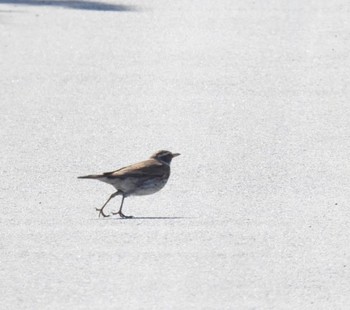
point(254, 94)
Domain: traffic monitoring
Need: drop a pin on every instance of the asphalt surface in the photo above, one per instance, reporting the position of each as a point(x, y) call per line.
point(253, 94)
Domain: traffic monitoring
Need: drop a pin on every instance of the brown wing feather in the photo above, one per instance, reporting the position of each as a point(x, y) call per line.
point(148, 167)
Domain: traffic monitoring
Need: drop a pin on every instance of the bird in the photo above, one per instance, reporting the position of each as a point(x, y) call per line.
point(144, 178)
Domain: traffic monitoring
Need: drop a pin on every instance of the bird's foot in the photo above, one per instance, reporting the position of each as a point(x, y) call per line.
point(101, 213)
point(122, 215)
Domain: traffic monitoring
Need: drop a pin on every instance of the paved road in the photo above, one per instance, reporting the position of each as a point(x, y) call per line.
point(254, 94)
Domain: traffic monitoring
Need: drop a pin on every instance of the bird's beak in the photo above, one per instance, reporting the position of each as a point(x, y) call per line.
point(176, 154)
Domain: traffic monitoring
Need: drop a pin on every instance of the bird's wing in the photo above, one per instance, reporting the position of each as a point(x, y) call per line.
point(148, 167)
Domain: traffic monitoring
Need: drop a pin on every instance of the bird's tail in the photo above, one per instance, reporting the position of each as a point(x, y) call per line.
point(91, 176)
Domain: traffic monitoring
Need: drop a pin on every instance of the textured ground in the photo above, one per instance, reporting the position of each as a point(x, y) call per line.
point(254, 94)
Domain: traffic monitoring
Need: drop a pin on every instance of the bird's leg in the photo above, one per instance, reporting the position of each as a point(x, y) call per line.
point(101, 209)
point(122, 215)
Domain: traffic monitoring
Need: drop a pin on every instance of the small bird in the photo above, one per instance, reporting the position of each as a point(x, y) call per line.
point(143, 178)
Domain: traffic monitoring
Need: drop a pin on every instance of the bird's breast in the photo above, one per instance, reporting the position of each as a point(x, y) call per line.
point(149, 187)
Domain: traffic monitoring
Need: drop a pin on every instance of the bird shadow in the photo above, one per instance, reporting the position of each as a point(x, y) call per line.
point(74, 4)
point(152, 218)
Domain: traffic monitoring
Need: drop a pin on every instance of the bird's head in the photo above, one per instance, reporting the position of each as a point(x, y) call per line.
point(164, 156)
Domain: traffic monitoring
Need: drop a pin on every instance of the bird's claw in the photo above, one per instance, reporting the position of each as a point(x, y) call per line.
point(101, 213)
point(122, 215)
